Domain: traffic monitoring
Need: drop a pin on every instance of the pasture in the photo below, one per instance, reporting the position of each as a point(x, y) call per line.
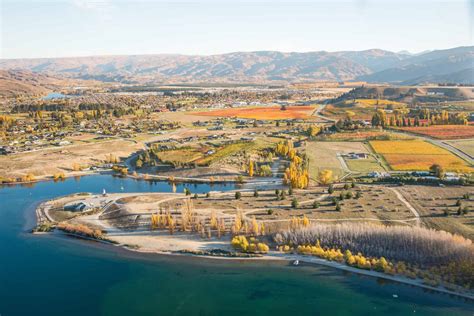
point(327, 155)
point(465, 145)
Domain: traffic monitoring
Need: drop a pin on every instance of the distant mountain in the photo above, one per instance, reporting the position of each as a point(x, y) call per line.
point(371, 65)
point(451, 65)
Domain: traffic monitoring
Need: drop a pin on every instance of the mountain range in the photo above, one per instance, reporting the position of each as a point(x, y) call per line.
point(454, 65)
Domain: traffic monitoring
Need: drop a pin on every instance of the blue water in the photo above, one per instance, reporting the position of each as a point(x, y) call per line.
point(56, 275)
point(54, 95)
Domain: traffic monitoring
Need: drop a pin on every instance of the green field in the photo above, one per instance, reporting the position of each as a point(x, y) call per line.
point(364, 165)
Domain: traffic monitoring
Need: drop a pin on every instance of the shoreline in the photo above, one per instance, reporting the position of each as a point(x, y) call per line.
point(280, 257)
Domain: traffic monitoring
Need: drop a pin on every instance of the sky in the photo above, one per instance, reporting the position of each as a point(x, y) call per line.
point(66, 28)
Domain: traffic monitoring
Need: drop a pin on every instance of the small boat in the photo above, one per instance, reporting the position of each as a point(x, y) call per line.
point(395, 296)
point(296, 262)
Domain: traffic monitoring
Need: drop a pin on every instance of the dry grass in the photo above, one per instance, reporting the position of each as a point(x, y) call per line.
point(323, 155)
point(49, 161)
point(466, 146)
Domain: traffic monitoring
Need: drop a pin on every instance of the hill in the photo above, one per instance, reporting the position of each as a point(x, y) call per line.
point(232, 67)
point(451, 65)
point(16, 83)
point(372, 65)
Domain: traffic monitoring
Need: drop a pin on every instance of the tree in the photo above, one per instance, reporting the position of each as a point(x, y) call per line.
point(325, 176)
point(187, 191)
point(305, 221)
point(139, 163)
point(255, 193)
point(437, 170)
point(238, 195)
point(282, 195)
point(331, 189)
point(251, 168)
point(316, 204)
point(294, 203)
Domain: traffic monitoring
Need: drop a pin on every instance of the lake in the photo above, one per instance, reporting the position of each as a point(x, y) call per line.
point(54, 95)
point(56, 275)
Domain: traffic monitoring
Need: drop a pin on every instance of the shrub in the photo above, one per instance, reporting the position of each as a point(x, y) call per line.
point(269, 212)
point(238, 195)
point(255, 193)
point(294, 203)
point(316, 204)
point(331, 189)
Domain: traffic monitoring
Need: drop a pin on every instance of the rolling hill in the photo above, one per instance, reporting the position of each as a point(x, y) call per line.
point(373, 65)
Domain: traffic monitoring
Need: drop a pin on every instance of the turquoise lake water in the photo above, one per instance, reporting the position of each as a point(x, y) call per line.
point(57, 275)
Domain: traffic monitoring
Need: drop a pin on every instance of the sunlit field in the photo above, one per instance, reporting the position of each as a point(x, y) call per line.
point(418, 155)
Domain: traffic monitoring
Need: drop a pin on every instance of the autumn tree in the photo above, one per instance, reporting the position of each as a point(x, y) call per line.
point(250, 168)
point(325, 176)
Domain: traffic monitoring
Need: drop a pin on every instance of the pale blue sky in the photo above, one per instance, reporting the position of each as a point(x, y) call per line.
point(35, 28)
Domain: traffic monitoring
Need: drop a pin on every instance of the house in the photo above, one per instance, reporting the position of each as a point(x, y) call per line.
point(357, 155)
point(77, 207)
point(377, 174)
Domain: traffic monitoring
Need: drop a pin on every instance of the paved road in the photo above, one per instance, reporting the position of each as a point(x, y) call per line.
point(318, 110)
point(452, 149)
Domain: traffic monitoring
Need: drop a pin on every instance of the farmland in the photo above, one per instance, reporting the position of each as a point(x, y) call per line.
point(327, 155)
point(443, 131)
point(361, 109)
point(438, 207)
point(466, 146)
point(263, 113)
point(417, 155)
point(363, 135)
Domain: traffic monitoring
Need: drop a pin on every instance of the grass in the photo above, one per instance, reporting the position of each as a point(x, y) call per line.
point(418, 155)
point(362, 108)
point(323, 155)
point(466, 146)
point(364, 165)
point(180, 155)
point(362, 135)
point(225, 152)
